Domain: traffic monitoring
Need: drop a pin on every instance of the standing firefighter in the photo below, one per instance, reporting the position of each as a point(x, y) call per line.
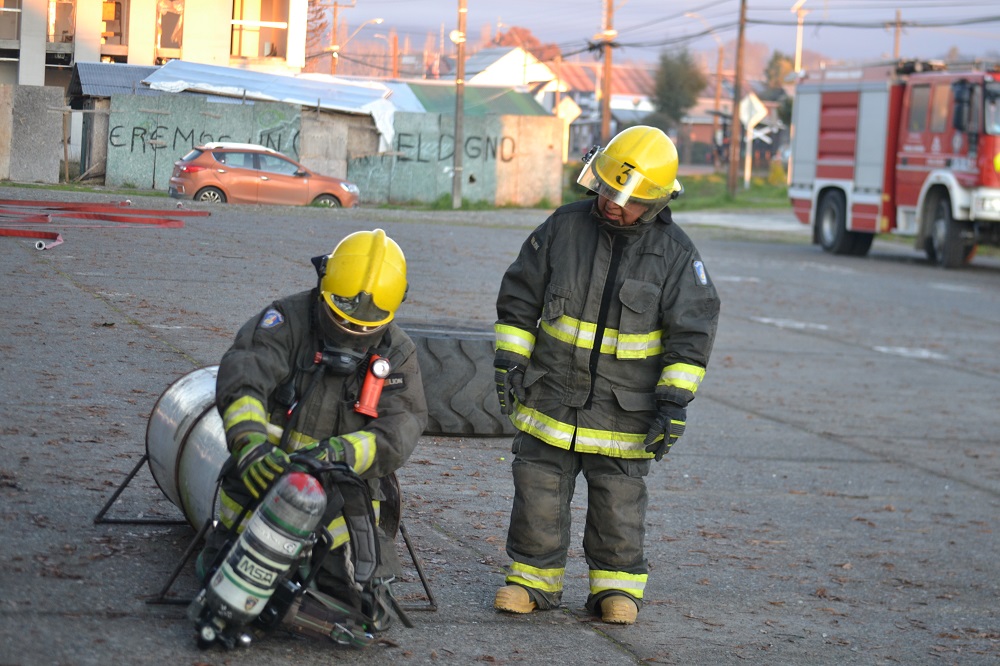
point(296, 381)
point(606, 321)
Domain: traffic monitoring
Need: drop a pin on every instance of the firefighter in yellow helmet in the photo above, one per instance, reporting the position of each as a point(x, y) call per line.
point(292, 383)
point(605, 325)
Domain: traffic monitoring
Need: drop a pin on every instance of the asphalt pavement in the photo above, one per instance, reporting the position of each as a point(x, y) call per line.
point(834, 500)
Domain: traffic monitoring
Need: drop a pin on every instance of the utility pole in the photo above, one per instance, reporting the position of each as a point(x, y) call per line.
point(608, 35)
point(716, 135)
point(335, 40)
point(459, 38)
point(394, 50)
point(735, 126)
point(899, 29)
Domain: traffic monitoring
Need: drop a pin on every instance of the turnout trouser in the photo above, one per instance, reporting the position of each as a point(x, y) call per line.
point(539, 533)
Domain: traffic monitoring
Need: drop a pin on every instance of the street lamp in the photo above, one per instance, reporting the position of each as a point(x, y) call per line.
point(801, 13)
point(718, 87)
point(388, 52)
point(335, 48)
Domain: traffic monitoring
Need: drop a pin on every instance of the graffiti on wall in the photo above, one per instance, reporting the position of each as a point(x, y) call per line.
point(145, 137)
point(142, 138)
point(421, 147)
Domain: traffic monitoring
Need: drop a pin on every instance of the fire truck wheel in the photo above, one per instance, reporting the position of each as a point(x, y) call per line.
point(831, 223)
point(950, 243)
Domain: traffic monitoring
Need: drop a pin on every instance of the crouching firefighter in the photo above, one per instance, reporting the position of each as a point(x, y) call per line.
point(322, 401)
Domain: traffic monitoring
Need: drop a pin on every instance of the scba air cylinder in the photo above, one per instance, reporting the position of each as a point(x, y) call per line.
point(274, 539)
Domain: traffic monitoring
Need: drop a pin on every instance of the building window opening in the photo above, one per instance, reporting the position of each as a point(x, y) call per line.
point(260, 29)
point(61, 20)
point(170, 26)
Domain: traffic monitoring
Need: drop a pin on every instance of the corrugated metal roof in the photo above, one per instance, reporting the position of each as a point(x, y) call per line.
point(480, 60)
point(478, 100)
point(625, 79)
point(101, 79)
point(178, 76)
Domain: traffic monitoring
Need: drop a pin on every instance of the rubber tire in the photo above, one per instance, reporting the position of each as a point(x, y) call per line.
point(862, 243)
point(831, 225)
point(457, 371)
point(212, 195)
point(327, 200)
point(944, 243)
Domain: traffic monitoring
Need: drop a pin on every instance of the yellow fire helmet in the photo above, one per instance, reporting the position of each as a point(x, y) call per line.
point(363, 280)
point(639, 165)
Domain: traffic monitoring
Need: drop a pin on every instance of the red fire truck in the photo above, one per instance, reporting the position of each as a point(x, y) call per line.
point(910, 148)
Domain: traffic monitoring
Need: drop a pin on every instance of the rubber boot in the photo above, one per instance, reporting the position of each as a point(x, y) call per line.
point(618, 609)
point(514, 599)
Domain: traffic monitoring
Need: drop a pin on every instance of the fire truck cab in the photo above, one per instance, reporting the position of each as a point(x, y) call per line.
point(909, 148)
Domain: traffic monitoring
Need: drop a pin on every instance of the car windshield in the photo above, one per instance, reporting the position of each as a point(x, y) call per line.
point(992, 111)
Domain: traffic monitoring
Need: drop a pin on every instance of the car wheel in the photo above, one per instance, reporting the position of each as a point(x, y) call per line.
point(327, 200)
point(210, 195)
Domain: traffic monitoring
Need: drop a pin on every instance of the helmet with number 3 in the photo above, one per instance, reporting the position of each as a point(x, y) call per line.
point(638, 166)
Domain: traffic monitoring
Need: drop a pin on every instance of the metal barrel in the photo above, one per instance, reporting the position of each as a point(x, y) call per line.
point(186, 444)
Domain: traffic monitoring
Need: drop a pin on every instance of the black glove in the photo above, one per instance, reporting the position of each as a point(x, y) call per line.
point(667, 428)
point(510, 386)
point(260, 464)
point(326, 450)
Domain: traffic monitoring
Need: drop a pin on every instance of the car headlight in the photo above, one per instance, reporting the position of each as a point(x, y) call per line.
point(349, 187)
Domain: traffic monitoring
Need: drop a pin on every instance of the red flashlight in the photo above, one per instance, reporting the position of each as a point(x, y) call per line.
point(371, 390)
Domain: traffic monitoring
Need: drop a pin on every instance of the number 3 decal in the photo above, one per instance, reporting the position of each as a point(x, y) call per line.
point(626, 173)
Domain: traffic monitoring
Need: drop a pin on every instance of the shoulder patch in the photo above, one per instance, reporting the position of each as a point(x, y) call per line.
point(700, 274)
point(271, 319)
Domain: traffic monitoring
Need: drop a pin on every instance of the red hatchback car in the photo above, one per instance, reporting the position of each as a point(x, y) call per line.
point(248, 173)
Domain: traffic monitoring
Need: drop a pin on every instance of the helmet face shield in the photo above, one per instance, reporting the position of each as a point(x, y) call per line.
point(360, 311)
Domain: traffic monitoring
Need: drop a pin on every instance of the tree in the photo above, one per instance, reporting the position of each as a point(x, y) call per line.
point(523, 37)
point(778, 69)
point(679, 84)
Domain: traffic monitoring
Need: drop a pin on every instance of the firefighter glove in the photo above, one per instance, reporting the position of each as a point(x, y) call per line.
point(260, 464)
point(510, 386)
point(325, 450)
point(667, 428)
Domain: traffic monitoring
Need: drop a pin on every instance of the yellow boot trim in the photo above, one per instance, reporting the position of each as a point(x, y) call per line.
point(618, 609)
point(514, 599)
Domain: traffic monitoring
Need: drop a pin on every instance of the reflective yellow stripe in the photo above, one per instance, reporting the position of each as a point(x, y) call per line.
point(610, 443)
point(623, 345)
point(296, 440)
point(545, 428)
point(229, 511)
point(547, 580)
point(682, 375)
point(338, 530)
point(638, 345)
point(602, 581)
point(243, 410)
point(364, 449)
point(514, 339)
point(588, 440)
point(338, 527)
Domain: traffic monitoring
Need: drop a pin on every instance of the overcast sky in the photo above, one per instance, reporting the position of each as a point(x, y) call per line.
point(647, 27)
